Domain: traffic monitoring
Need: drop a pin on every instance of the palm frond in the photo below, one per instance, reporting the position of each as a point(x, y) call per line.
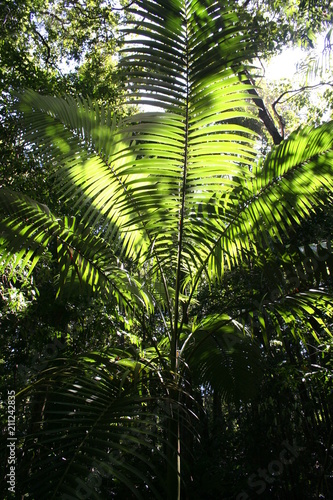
point(94, 431)
point(195, 151)
point(303, 314)
point(29, 230)
point(283, 191)
point(87, 154)
point(223, 356)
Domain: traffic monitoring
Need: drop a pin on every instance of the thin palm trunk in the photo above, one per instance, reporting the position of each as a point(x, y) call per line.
point(174, 463)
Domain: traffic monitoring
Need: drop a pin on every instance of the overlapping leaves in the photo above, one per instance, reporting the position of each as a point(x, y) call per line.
point(93, 433)
point(30, 230)
point(177, 196)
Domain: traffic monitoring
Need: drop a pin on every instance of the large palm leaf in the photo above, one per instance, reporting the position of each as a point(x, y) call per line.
point(93, 424)
point(30, 228)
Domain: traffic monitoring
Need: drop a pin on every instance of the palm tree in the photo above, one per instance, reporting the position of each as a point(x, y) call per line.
point(159, 205)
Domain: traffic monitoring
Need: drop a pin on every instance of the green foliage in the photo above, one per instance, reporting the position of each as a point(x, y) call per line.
point(289, 21)
point(154, 209)
point(95, 411)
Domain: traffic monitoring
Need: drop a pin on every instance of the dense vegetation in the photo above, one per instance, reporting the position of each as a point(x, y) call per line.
point(166, 291)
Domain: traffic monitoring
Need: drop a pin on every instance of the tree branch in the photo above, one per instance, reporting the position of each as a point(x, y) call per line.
point(264, 114)
point(294, 92)
point(125, 6)
point(62, 22)
point(44, 42)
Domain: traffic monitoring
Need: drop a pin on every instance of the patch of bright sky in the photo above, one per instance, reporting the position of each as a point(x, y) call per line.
point(285, 64)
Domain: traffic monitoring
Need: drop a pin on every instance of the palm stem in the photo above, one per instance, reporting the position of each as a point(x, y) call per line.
point(174, 429)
